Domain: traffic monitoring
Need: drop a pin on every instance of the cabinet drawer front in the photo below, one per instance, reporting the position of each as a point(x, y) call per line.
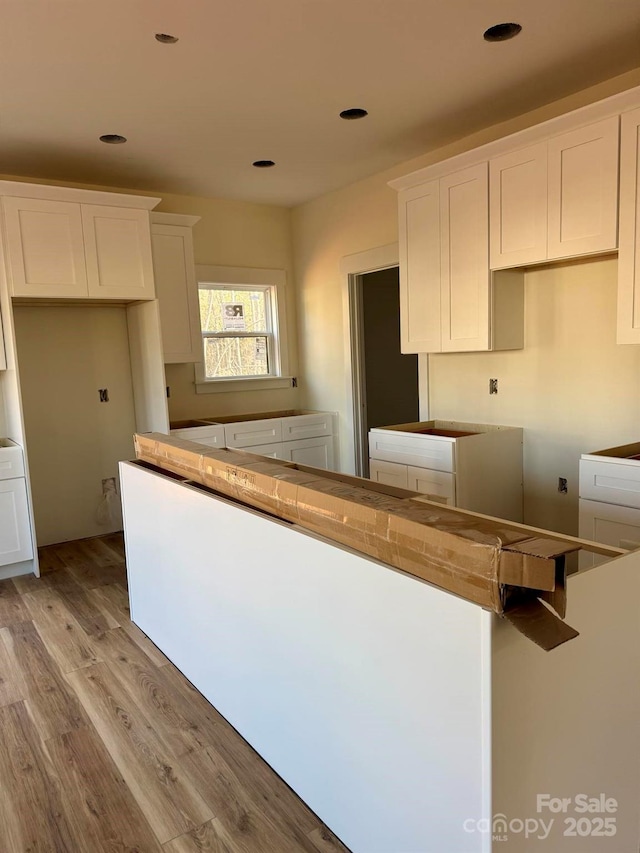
point(436, 483)
point(250, 433)
point(610, 525)
point(434, 453)
point(389, 473)
point(307, 426)
point(212, 436)
point(610, 482)
point(11, 463)
point(15, 533)
point(317, 452)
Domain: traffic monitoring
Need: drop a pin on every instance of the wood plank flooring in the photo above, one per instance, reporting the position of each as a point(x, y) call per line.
point(105, 746)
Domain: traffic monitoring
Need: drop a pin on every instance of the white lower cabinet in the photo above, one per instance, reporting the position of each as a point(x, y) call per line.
point(389, 473)
point(610, 499)
point(608, 524)
point(316, 452)
point(471, 466)
point(15, 531)
point(306, 439)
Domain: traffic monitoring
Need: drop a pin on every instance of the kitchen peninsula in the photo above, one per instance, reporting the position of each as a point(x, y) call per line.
point(404, 715)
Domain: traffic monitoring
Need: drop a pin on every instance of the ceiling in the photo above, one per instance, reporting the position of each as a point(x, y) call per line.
point(251, 79)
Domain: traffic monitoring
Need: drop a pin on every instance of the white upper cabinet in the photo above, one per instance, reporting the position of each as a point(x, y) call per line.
point(629, 255)
point(465, 280)
point(419, 230)
point(61, 245)
point(117, 252)
point(176, 286)
point(556, 199)
point(45, 248)
point(449, 301)
point(583, 190)
point(518, 207)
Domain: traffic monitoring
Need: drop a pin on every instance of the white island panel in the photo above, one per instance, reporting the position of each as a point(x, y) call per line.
point(367, 690)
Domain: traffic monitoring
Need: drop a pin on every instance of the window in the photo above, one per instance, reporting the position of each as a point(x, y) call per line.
point(243, 329)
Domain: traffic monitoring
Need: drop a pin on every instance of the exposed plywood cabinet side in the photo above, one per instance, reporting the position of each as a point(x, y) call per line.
point(628, 331)
point(465, 260)
point(419, 247)
point(583, 190)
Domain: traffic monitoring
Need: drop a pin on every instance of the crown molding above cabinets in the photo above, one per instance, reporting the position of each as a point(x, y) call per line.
point(468, 225)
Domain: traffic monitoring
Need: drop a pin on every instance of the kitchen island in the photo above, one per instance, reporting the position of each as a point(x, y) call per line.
point(404, 716)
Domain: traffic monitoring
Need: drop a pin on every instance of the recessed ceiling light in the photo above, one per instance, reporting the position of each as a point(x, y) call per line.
point(263, 164)
point(113, 138)
point(165, 38)
point(353, 113)
point(502, 32)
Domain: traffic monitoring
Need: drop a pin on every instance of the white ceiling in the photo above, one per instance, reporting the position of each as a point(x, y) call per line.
point(252, 79)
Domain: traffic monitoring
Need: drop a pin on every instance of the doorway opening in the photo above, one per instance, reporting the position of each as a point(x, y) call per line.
point(385, 381)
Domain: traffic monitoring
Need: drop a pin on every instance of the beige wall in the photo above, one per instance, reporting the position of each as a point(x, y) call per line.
point(363, 216)
point(66, 353)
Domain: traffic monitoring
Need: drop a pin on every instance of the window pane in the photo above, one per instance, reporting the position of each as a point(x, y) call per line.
point(225, 310)
point(235, 357)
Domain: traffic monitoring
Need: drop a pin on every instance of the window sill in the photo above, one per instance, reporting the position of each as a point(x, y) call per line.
point(267, 383)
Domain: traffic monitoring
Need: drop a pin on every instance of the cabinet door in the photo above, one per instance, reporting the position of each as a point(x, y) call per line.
point(518, 205)
point(118, 252)
point(390, 473)
point(45, 248)
point(177, 292)
point(610, 525)
point(15, 533)
point(317, 452)
point(273, 451)
point(419, 247)
point(437, 484)
point(583, 190)
point(629, 255)
point(464, 208)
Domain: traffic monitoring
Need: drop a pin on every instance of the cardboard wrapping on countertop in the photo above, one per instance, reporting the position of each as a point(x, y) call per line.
point(476, 558)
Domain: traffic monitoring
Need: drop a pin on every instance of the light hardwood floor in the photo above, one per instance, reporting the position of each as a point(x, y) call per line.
point(105, 746)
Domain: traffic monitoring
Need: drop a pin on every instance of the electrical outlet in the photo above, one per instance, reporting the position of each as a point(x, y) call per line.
point(108, 485)
point(563, 488)
point(493, 386)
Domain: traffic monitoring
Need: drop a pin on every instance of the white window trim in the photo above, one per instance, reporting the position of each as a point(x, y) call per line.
point(277, 279)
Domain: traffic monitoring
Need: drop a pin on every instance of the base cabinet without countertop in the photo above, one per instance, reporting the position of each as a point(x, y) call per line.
point(306, 438)
point(470, 466)
point(15, 529)
point(609, 505)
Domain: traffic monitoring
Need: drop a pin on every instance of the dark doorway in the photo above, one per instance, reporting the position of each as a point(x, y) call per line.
point(389, 378)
